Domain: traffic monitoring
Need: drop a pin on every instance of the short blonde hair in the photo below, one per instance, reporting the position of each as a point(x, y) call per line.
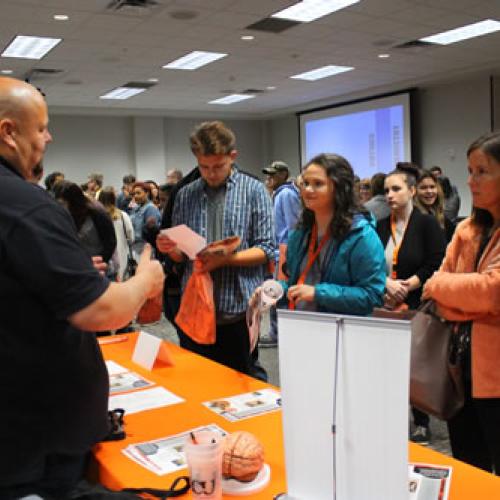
point(212, 138)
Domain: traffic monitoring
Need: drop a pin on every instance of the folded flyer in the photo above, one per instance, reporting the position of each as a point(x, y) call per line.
point(126, 382)
point(194, 245)
point(250, 404)
point(429, 482)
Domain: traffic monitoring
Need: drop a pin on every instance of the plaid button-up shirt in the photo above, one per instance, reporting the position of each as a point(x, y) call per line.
point(248, 213)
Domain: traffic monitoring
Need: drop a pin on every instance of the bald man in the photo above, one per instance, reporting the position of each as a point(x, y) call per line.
point(53, 380)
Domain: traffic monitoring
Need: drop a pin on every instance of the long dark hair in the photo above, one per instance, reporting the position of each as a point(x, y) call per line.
point(79, 206)
point(489, 144)
point(345, 202)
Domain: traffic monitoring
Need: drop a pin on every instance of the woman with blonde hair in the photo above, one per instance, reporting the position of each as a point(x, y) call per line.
point(123, 230)
point(429, 199)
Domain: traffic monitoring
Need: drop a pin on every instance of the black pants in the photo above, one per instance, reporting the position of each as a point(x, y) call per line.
point(475, 430)
point(420, 418)
point(231, 349)
point(60, 476)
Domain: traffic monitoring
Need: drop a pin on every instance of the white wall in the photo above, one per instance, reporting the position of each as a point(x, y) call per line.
point(452, 116)
point(85, 144)
point(250, 141)
point(144, 146)
point(283, 144)
point(149, 148)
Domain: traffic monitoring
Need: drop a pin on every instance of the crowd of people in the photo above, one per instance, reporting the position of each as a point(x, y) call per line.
point(337, 244)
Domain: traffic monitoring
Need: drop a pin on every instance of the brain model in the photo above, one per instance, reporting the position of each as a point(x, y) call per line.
point(243, 456)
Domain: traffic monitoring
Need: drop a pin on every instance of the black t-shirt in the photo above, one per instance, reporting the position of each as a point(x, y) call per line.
point(53, 380)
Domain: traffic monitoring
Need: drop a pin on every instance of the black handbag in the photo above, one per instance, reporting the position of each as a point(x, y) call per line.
point(437, 349)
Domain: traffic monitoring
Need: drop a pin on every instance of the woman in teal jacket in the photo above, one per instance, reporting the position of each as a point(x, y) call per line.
point(335, 261)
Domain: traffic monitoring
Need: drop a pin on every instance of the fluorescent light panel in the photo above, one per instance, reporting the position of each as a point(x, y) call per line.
point(122, 93)
point(310, 10)
point(464, 33)
point(30, 47)
point(232, 98)
point(323, 72)
point(194, 60)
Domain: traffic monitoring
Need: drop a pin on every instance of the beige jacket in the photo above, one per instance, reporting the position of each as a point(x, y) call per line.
point(464, 294)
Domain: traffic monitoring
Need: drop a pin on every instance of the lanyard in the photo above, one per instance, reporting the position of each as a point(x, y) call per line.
point(397, 246)
point(312, 255)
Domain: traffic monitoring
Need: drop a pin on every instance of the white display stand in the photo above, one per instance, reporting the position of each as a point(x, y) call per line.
point(350, 374)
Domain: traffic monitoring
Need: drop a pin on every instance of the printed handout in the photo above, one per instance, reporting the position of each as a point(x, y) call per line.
point(147, 399)
point(250, 404)
point(166, 454)
point(126, 382)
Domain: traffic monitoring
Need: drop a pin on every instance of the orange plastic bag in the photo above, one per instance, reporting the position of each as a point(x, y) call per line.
point(196, 316)
point(151, 310)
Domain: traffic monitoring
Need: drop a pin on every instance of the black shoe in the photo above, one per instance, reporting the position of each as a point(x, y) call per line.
point(267, 342)
point(421, 435)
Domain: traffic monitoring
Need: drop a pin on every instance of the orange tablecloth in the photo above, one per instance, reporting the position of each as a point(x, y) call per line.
point(197, 379)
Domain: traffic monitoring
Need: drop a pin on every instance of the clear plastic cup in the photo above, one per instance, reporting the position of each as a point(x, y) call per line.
point(204, 459)
point(271, 292)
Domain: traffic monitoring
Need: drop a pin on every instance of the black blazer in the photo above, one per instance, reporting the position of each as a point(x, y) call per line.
point(421, 252)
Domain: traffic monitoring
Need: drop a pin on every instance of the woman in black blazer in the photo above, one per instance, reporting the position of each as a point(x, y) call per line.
point(414, 248)
point(414, 243)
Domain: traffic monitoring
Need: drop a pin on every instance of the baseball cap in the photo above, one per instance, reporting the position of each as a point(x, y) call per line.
point(275, 167)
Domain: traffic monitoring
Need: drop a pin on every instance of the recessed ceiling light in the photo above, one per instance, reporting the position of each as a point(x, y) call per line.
point(384, 56)
point(61, 17)
point(194, 60)
point(30, 47)
point(322, 72)
point(231, 99)
point(309, 10)
point(6, 72)
point(122, 93)
point(248, 37)
point(464, 33)
point(153, 80)
point(271, 88)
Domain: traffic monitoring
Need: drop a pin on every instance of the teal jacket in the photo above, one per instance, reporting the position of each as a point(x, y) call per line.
point(354, 280)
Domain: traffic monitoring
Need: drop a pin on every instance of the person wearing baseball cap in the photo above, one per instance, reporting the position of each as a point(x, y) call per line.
point(287, 208)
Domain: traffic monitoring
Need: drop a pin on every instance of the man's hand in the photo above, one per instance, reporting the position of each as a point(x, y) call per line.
point(210, 262)
point(297, 293)
point(168, 246)
point(152, 270)
point(99, 264)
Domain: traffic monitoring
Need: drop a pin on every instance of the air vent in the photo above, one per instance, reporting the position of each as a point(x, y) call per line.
point(38, 73)
point(272, 25)
point(415, 46)
point(252, 91)
point(132, 7)
point(139, 85)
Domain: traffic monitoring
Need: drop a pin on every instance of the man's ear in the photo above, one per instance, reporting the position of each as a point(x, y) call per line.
point(7, 133)
point(233, 154)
